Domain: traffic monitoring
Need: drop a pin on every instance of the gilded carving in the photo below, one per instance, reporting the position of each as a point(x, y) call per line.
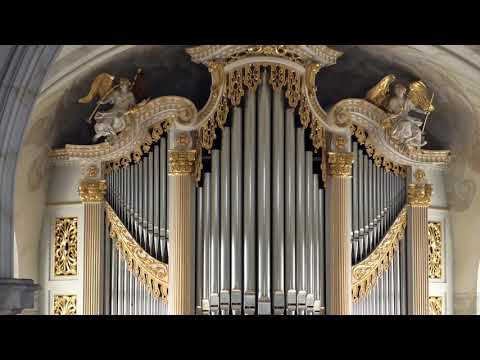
point(152, 273)
point(366, 273)
point(66, 241)
point(435, 249)
point(420, 194)
point(340, 164)
point(435, 305)
point(92, 190)
point(65, 305)
point(181, 162)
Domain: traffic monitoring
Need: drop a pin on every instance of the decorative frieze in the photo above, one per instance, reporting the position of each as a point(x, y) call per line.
point(65, 305)
point(66, 241)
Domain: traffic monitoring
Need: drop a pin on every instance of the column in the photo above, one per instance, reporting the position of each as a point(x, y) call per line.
point(92, 193)
point(181, 274)
point(419, 199)
point(339, 227)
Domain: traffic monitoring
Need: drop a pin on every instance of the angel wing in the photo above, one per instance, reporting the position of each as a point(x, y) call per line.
point(418, 95)
point(100, 86)
point(379, 93)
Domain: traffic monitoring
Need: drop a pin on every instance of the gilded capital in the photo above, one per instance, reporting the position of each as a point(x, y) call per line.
point(340, 164)
point(419, 195)
point(181, 162)
point(92, 190)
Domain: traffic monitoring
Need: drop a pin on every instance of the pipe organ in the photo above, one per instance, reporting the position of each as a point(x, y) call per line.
point(260, 210)
point(244, 203)
point(378, 197)
point(137, 193)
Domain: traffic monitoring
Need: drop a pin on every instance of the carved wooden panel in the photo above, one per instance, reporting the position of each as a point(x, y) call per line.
point(66, 242)
point(65, 305)
point(435, 305)
point(435, 251)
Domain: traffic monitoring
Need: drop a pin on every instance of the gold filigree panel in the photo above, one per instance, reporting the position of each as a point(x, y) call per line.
point(65, 305)
point(435, 250)
point(435, 305)
point(66, 242)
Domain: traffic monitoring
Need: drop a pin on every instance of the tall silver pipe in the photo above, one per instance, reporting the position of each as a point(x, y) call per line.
point(263, 195)
point(114, 281)
point(309, 231)
point(225, 236)
point(374, 203)
point(392, 285)
point(156, 201)
point(361, 205)
point(151, 198)
point(249, 208)
point(163, 199)
point(146, 197)
point(371, 191)
point(278, 204)
point(300, 221)
point(355, 202)
point(121, 285)
point(140, 190)
point(215, 233)
point(397, 281)
point(290, 231)
point(206, 237)
point(366, 206)
point(136, 229)
point(237, 211)
point(126, 298)
point(316, 246)
point(199, 252)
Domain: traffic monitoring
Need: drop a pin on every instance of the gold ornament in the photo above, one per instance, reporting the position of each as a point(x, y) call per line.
point(66, 241)
point(435, 264)
point(65, 305)
point(92, 190)
point(181, 162)
point(340, 164)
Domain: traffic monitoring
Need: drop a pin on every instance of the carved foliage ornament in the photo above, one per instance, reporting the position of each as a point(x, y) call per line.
point(65, 305)
point(435, 305)
point(435, 264)
point(420, 194)
point(366, 273)
point(66, 240)
point(151, 272)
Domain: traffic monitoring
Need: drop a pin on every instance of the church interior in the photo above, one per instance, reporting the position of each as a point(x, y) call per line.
point(239, 180)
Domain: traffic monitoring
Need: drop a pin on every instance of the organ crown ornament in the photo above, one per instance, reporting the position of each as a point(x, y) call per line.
point(400, 103)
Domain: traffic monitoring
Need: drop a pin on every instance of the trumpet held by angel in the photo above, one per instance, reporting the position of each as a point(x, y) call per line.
point(122, 96)
point(399, 101)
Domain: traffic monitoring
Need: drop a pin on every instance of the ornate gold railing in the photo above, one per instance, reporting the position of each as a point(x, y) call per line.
point(366, 273)
point(152, 272)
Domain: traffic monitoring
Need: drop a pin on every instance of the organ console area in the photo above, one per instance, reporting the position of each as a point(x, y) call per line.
point(260, 203)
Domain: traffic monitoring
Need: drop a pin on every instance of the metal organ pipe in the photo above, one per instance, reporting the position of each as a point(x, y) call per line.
point(214, 245)
point(225, 236)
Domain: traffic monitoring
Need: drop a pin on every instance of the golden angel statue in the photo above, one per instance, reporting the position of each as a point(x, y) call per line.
point(406, 129)
point(122, 96)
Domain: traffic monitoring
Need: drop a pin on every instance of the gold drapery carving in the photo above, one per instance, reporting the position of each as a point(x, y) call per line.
point(247, 78)
point(92, 190)
point(379, 159)
point(340, 164)
point(435, 249)
point(151, 272)
point(366, 273)
point(435, 305)
point(66, 240)
point(65, 305)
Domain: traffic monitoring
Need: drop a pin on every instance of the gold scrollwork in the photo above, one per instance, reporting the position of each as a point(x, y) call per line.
point(420, 195)
point(235, 90)
point(66, 241)
point(152, 273)
point(435, 305)
point(366, 273)
point(435, 264)
point(65, 305)
point(181, 162)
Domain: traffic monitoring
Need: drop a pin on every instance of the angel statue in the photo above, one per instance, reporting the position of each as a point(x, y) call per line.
point(406, 129)
point(111, 122)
